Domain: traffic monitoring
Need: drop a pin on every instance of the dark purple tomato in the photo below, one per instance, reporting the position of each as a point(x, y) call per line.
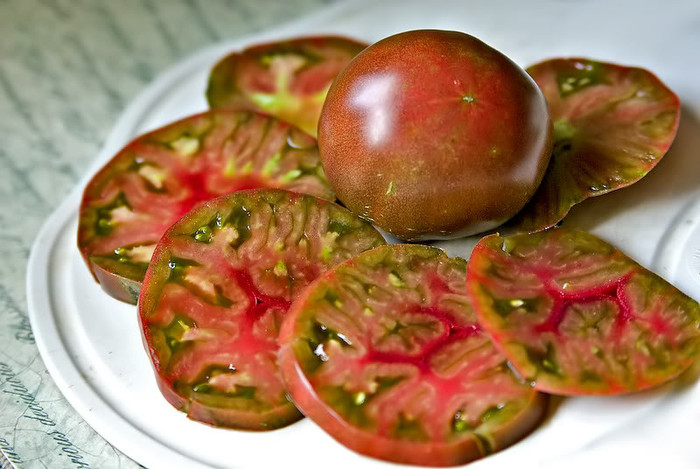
point(161, 175)
point(287, 79)
point(576, 316)
point(434, 134)
point(612, 125)
point(385, 354)
point(218, 286)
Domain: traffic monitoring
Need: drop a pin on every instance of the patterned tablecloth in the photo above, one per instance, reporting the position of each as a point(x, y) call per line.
point(67, 70)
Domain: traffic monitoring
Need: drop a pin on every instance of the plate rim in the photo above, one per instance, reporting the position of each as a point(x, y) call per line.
point(80, 394)
point(76, 388)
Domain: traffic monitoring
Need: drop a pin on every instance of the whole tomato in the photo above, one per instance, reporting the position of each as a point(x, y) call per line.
point(434, 135)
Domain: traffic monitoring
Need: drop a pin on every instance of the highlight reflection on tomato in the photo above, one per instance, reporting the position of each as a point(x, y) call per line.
point(434, 134)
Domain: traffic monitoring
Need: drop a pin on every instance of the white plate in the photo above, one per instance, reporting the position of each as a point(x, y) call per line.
point(91, 344)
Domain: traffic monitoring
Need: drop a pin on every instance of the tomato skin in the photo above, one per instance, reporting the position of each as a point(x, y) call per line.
point(115, 285)
point(305, 389)
point(434, 135)
point(231, 418)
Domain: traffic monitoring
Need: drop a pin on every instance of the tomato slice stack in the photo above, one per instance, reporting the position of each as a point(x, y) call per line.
point(385, 354)
point(219, 284)
point(161, 175)
point(287, 79)
point(576, 316)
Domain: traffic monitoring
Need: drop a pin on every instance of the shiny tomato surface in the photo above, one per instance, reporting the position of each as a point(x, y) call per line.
point(434, 134)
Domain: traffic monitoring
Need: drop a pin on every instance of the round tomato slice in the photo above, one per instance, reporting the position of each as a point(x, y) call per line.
point(385, 354)
point(161, 175)
point(287, 79)
point(612, 125)
point(220, 282)
point(576, 316)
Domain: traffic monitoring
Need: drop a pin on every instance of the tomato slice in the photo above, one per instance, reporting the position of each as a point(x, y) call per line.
point(287, 79)
point(220, 282)
point(385, 354)
point(158, 177)
point(576, 316)
point(612, 125)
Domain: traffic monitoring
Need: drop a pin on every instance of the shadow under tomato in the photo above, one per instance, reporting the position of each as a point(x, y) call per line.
point(553, 404)
point(675, 175)
point(689, 378)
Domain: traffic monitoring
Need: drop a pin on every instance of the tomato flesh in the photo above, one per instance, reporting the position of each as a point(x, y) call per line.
point(286, 79)
point(219, 284)
point(612, 125)
point(576, 316)
point(385, 354)
point(161, 175)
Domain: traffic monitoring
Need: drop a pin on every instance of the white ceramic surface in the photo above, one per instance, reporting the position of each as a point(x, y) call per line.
point(91, 344)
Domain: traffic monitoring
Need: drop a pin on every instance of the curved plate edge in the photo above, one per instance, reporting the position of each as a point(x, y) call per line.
point(76, 389)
